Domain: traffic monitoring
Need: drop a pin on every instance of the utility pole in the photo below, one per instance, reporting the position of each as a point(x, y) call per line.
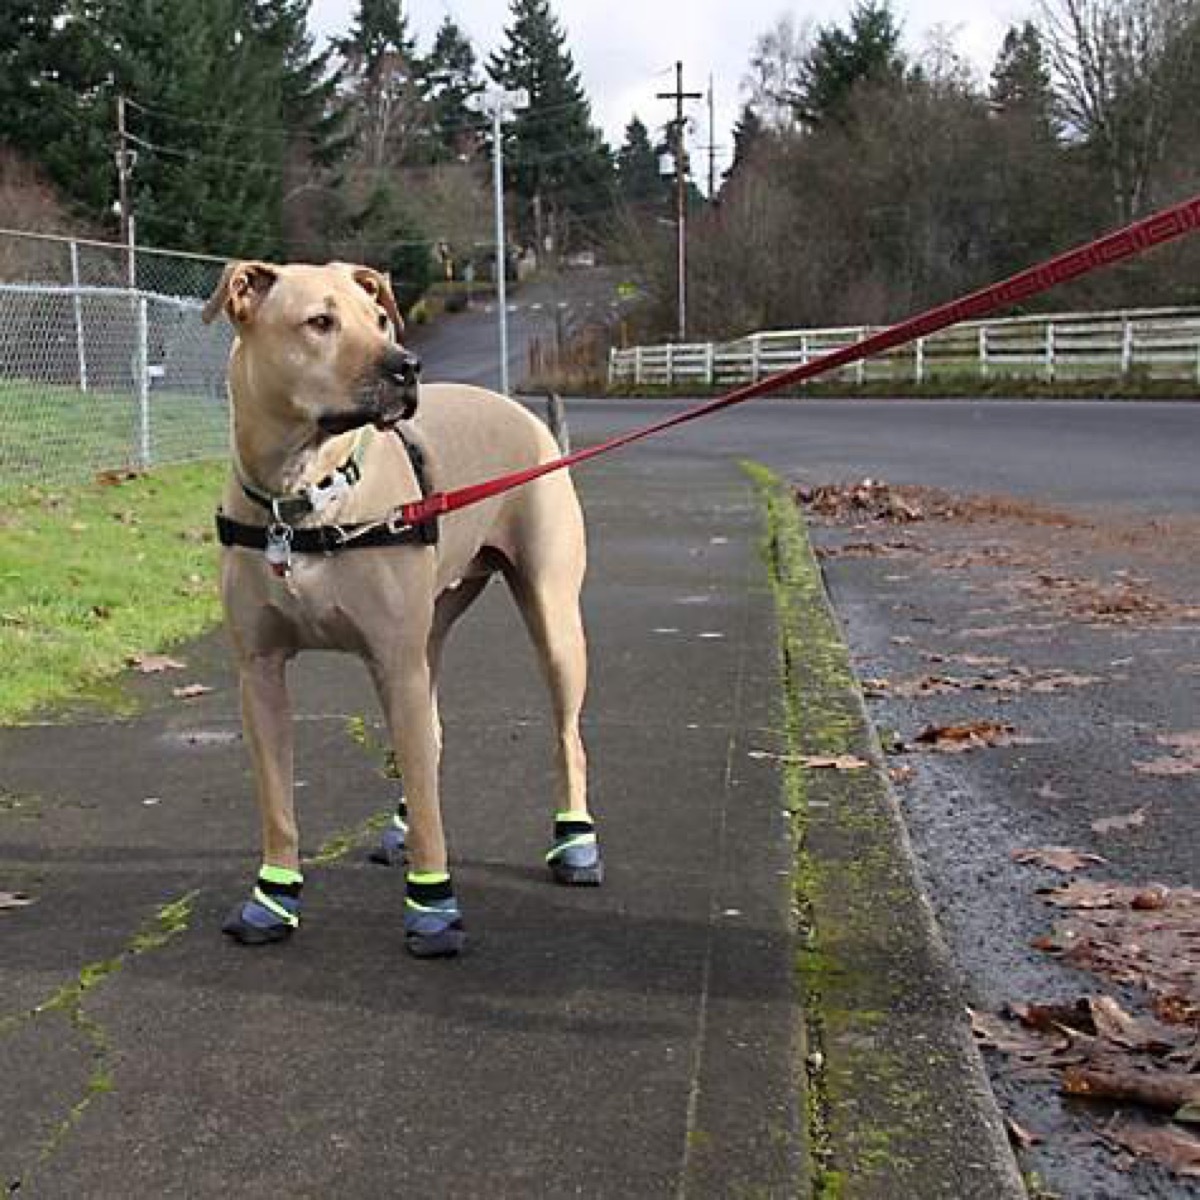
point(678, 128)
point(126, 160)
point(502, 103)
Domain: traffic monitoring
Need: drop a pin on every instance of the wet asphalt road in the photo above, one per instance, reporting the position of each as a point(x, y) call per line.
point(1127, 476)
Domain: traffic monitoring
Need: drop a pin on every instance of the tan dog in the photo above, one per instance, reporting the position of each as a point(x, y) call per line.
point(316, 383)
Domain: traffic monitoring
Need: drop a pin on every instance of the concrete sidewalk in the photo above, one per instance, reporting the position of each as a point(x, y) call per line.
point(641, 1040)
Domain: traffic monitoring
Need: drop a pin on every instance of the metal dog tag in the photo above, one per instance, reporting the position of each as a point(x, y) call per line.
point(279, 549)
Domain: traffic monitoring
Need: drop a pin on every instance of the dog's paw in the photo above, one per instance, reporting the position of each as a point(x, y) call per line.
point(247, 925)
point(574, 858)
point(391, 850)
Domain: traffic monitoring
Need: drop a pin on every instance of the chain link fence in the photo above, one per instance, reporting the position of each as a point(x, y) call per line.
point(104, 360)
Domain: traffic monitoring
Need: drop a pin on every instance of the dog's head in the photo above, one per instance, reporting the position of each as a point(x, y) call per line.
point(319, 341)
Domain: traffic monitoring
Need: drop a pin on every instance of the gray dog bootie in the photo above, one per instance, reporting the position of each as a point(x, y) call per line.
point(574, 858)
point(273, 911)
point(433, 926)
point(392, 845)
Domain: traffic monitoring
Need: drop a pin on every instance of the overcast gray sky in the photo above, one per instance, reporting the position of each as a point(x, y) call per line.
point(625, 49)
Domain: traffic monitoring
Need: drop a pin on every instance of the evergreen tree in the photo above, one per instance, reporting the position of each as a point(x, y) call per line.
point(1021, 78)
point(453, 89)
point(844, 59)
point(556, 159)
point(49, 72)
point(638, 178)
point(748, 133)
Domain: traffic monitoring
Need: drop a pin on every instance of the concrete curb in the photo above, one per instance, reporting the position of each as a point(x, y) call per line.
point(899, 1103)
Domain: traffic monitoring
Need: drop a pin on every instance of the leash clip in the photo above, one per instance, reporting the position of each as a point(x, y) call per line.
point(279, 549)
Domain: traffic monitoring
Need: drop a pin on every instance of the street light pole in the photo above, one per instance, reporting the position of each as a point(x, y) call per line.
point(502, 103)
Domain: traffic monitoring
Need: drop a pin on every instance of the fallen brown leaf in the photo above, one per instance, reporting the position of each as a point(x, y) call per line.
point(1167, 767)
point(1164, 1091)
point(1021, 1137)
point(191, 691)
point(154, 664)
point(1174, 1148)
point(1133, 820)
point(1014, 1038)
point(957, 739)
point(1057, 858)
point(842, 762)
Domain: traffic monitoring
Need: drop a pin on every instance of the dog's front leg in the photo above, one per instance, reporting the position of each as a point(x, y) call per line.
point(273, 910)
point(432, 921)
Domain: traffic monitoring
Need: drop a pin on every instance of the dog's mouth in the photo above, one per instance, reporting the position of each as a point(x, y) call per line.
point(385, 409)
point(383, 417)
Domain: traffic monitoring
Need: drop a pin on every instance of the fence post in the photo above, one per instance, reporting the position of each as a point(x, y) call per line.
point(919, 361)
point(755, 358)
point(637, 366)
point(1126, 347)
point(77, 300)
point(670, 364)
point(860, 367)
point(141, 360)
point(1049, 351)
point(984, 364)
point(710, 364)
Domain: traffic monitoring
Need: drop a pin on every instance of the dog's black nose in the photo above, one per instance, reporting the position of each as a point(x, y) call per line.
point(401, 367)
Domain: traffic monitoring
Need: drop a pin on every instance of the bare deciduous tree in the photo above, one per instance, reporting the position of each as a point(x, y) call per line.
point(1123, 70)
point(772, 85)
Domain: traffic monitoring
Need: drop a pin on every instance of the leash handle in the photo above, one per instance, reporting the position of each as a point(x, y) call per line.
point(1136, 238)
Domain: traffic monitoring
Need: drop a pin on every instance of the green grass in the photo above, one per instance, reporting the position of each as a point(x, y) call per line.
point(55, 434)
point(90, 575)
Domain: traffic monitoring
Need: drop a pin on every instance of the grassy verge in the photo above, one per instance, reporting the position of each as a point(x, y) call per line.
point(93, 574)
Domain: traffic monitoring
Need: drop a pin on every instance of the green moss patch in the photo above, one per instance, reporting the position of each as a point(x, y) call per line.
point(895, 1089)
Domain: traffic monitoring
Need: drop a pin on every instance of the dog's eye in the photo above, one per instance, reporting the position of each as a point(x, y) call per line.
point(383, 320)
point(322, 323)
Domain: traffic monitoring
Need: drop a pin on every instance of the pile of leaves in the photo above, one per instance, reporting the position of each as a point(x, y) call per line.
point(868, 500)
point(1147, 939)
point(874, 500)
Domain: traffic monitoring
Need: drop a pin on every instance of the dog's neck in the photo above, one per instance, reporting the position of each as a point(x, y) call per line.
point(280, 456)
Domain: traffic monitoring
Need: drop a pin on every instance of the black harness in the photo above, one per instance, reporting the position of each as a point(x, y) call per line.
point(280, 540)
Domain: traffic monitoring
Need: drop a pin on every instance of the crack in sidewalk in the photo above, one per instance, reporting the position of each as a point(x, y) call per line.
point(168, 922)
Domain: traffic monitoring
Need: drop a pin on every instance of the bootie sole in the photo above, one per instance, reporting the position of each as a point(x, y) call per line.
point(592, 876)
point(447, 944)
point(252, 935)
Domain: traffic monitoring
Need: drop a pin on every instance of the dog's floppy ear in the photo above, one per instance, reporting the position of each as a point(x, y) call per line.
point(241, 290)
point(379, 287)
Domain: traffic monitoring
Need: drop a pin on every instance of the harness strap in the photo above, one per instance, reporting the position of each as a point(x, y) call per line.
point(327, 539)
point(330, 539)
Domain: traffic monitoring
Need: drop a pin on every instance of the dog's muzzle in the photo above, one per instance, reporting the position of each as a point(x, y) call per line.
point(394, 396)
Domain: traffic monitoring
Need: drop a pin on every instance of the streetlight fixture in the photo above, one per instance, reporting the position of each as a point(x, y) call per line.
point(501, 103)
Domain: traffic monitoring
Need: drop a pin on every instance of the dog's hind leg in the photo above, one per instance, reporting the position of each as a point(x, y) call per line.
point(273, 910)
point(547, 593)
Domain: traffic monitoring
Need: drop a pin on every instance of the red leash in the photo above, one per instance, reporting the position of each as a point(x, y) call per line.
point(1134, 239)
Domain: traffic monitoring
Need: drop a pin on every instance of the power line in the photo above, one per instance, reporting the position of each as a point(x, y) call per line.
point(480, 124)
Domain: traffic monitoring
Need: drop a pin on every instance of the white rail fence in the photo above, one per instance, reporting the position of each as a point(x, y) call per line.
point(1160, 344)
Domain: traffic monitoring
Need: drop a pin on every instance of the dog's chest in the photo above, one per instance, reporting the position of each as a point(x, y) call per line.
point(317, 605)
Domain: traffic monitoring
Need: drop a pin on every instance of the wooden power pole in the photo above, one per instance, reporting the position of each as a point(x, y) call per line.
point(678, 129)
